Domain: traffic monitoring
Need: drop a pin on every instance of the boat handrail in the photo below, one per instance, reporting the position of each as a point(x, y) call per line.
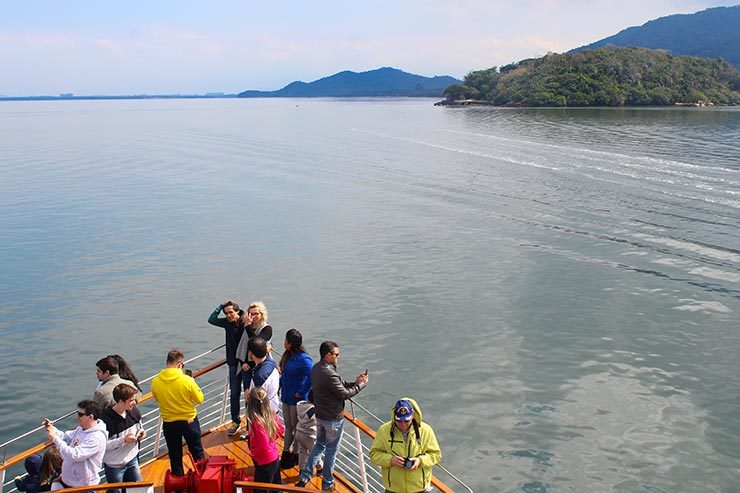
point(370, 432)
point(135, 487)
point(3, 446)
point(270, 486)
point(213, 413)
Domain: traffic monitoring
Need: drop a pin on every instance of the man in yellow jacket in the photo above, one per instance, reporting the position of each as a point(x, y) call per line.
point(405, 449)
point(177, 395)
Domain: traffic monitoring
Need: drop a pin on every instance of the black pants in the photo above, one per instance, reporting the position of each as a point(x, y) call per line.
point(174, 432)
point(267, 473)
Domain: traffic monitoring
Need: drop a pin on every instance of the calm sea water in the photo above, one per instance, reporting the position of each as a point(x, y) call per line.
point(559, 289)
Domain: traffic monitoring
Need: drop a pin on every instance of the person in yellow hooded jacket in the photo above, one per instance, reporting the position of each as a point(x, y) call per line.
point(405, 448)
point(177, 395)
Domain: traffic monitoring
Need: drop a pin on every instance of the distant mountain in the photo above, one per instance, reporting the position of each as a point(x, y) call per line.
point(711, 33)
point(384, 81)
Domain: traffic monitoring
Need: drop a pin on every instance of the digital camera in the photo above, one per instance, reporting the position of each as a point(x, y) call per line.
point(408, 463)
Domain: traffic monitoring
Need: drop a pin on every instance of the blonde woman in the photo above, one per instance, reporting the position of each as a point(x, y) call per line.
point(256, 326)
point(264, 427)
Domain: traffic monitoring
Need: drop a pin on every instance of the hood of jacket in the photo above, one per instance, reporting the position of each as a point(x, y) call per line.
point(169, 375)
point(99, 427)
point(417, 410)
point(33, 464)
point(115, 423)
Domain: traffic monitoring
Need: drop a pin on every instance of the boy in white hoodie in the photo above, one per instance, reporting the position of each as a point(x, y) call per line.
point(82, 449)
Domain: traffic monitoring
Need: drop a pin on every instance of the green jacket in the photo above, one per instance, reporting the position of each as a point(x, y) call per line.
point(389, 441)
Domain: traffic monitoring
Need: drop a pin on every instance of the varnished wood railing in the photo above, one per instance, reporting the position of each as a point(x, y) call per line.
point(20, 457)
point(371, 433)
point(349, 416)
point(240, 485)
point(129, 486)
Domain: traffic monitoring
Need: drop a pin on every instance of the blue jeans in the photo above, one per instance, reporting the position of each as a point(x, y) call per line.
point(328, 435)
point(123, 474)
point(235, 389)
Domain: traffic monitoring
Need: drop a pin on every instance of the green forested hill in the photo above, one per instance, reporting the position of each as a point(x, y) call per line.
point(711, 33)
point(608, 76)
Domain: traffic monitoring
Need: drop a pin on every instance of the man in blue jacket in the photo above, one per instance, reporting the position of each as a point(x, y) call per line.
point(233, 325)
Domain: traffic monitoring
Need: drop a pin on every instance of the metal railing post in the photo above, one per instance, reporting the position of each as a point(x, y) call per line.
point(155, 452)
point(361, 459)
point(2, 479)
point(227, 398)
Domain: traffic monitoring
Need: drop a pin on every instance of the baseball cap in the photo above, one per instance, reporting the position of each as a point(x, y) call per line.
point(403, 410)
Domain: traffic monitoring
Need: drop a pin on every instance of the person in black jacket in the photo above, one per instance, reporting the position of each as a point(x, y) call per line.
point(233, 325)
point(125, 431)
point(31, 483)
point(329, 394)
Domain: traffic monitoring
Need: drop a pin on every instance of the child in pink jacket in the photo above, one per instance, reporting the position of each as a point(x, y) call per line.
point(264, 428)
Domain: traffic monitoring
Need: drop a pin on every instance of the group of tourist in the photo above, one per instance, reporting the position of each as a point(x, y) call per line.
point(294, 398)
point(305, 402)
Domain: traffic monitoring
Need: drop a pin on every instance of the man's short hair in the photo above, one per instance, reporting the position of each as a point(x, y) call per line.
point(91, 408)
point(108, 364)
point(232, 304)
point(327, 347)
point(174, 356)
point(123, 392)
point(257, 346)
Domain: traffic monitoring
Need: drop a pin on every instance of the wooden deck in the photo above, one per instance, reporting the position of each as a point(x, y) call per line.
point(217, 442)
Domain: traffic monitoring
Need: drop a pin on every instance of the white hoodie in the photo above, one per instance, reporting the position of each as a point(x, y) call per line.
point(82, 454)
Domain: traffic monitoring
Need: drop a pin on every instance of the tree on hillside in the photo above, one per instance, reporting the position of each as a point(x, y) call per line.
point(603, 77)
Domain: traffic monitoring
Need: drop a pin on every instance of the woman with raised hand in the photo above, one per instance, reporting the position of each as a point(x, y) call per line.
point(256, 326)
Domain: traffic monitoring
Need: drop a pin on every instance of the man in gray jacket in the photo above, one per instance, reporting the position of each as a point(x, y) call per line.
point(329, 393)
point(107, 371)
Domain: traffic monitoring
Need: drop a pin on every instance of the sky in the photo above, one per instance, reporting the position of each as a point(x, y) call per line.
point(48, 47)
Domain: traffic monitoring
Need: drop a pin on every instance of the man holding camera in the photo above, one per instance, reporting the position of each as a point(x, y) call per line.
point(82, 449)
point(405, 449)
point(329, 393)
point(177, 395)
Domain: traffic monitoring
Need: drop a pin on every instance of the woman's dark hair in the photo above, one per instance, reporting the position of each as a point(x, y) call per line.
point(51, 466)
point(295, 341)
point(125, 371)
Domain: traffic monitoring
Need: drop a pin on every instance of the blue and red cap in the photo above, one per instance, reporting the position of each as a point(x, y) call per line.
point(403, 410)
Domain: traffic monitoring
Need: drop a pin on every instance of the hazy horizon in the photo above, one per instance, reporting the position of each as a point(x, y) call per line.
point(173, 47)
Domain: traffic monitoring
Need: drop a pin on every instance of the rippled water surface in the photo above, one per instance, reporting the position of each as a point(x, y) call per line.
point(559, 289)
